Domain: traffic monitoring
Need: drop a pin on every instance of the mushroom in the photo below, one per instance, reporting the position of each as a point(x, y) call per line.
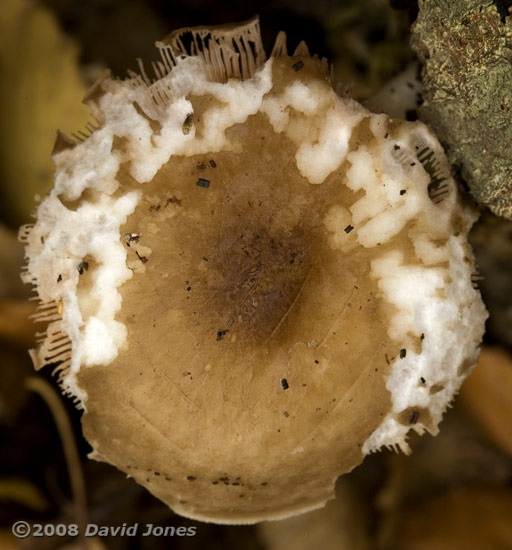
point(250, 282)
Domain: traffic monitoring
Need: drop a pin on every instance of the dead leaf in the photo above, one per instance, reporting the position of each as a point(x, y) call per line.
point(40, 90)
point(487, 396)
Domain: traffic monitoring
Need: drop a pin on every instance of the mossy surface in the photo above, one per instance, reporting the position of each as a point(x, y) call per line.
point(466, 50)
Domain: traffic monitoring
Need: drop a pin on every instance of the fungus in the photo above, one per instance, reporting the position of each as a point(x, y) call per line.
point(299, 266)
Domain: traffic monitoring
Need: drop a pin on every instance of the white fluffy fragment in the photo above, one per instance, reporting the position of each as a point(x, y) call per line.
point(411, 288)
point(389, 434)
point(317, 160)
point(97, 169)
point(450, 328)
point(99, 341)
point(433, 297)
point(323, 145)
point(58, 244)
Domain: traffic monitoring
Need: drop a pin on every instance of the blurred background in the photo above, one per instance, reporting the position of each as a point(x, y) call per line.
point(455, 490)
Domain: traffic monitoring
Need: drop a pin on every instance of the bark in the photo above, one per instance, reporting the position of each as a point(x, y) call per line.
point(466, 50)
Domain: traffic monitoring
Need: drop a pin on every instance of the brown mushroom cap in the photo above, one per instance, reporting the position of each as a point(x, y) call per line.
point(239, 382)
point(257, 323)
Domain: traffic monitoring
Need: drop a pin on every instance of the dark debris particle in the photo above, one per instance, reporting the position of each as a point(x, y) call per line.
point(286, 414)
point(143, 259)
point(413, 417)
point(191, 478)
point(298, 66)
point(173, 200)
point(396, 147)
point(403, 353)
point(422, 380)
point(154, 208)
point(264, 484)
point(189, 288)
point(131, 237)
point(422, 337)
point(213, 164)
point(403, 191)
point(387, 358)
point(348, 229)
point(157, 473)
point(386, 135)
point(59, 278)
point(284, 384)
point(215, 482)
point(187, 124)
point(82, 267)
point(317, 361)
point(221, 334)
point(201, 182)
point(411, 115)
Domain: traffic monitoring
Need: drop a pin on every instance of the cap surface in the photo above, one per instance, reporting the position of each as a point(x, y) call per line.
point(256, 282)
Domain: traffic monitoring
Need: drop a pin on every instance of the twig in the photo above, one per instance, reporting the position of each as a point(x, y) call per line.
point(60, 416)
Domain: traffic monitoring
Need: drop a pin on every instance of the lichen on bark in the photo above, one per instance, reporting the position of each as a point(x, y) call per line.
point(466, 50)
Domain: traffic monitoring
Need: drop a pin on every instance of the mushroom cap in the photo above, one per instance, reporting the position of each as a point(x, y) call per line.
point(251, 282)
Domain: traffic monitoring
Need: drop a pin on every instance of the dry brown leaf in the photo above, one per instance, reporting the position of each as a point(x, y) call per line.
point(40, 90)
point(11, 262)
point(23, 492)
point(469, 519)
point(341, 523)
point(487, 396)
point(15, 325)
point(8, 541)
